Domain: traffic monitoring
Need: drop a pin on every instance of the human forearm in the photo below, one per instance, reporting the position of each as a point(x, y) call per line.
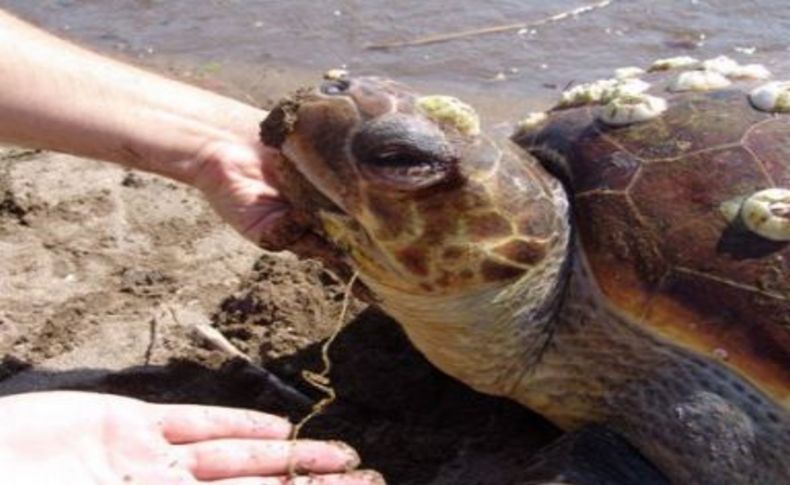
point(57, 96)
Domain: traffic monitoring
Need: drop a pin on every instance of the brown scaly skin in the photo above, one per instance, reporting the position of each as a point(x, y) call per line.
point(466, 242)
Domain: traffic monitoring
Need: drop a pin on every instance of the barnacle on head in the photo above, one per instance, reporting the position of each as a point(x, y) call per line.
point(450, 111)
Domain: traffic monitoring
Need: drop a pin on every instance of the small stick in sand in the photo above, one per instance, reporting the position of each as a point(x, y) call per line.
point(214, 337)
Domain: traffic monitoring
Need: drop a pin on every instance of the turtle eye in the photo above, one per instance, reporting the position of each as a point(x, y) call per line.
point(400, 158)
point(400, 140)
point(402, 152)
point(406, 170)
point(335, 87)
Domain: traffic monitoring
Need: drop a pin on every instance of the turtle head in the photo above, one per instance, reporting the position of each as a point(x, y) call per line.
point(412, 190)
point(433, 214)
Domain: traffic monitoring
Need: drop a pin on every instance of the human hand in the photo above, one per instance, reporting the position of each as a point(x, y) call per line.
point(80, 438)
point(237, 181)
point(142, 121)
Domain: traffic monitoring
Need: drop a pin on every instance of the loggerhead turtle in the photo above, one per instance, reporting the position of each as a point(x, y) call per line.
point(630, 267)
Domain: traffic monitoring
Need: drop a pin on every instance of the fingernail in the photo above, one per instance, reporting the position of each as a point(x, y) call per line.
point(359, 477)
point(353, 457)
point(370, 476)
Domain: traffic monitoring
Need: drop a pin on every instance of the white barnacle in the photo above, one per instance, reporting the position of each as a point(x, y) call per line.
point(674, 63)
point(699, 81)
point(723, 65)
point(731, 69)
point(731, 209)
point(336, 74)
point(767, 213)
point(587, 93)
point(601, 91)
point(625, 87)
point(532, 120)
point(751, 71)
point(628, 109)
point(773, 97)
point(450, 111)
point(628, 72)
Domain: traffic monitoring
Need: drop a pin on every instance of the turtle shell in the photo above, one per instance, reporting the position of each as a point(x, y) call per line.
point(648, 200)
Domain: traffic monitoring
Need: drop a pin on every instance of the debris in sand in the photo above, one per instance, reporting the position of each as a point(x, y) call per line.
point(214, 337)
point(320, 380)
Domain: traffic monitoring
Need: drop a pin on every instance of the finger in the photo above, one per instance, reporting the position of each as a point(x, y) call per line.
point(212, 460)
point(362, 477)
point(191, 423)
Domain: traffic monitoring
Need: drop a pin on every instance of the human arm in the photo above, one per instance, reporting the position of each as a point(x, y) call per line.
point(58, 96)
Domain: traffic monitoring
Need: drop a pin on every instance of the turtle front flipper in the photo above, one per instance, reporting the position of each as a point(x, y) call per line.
point(593, 455)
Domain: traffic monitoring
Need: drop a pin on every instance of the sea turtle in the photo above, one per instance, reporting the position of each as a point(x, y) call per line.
point(625, 262)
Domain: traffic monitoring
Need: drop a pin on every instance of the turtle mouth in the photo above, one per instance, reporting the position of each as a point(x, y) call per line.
point(290, 178)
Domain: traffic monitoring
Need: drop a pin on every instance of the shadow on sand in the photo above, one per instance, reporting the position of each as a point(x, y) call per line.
point(407, 419)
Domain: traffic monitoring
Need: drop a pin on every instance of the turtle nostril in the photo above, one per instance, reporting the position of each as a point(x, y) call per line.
point(335, 86)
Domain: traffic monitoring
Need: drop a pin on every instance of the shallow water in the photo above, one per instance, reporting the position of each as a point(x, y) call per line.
point(271, 46)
